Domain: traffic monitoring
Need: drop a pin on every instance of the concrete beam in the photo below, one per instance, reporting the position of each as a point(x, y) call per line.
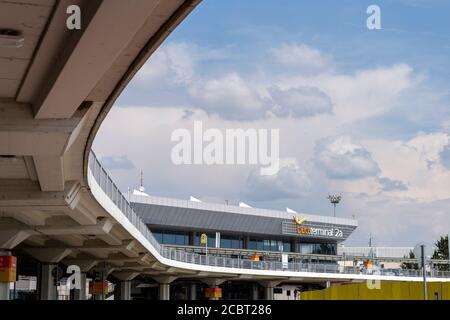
point(82, 65)
point(124, 275)
point(165, 279)
point(213, 282)
point(9, 239)
point(50, 172)
point(270, 283)
point(85, 265)
point(48, 255)
point(100, 250)
point(23, 135)
point(102, 227)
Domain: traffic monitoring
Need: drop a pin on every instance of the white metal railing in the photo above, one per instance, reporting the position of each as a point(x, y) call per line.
point(112, 191)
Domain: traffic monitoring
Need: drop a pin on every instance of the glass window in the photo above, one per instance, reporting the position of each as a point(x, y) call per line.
point(169, 238)
point(260, 245)
point(286, 246)
point(225, 243)
point(232, 242)
point(158, 236)
point(318, 248)
point(252, 245)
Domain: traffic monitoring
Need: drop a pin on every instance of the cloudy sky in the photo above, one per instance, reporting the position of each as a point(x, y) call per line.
point(363, 113)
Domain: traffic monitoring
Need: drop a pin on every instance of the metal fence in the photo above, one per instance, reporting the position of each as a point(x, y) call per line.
point(112, 191)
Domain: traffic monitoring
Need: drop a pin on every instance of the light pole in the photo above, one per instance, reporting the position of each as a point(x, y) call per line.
point(422, 251)
point(334, 199)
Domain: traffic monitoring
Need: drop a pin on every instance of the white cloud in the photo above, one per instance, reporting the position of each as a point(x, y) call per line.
point(117, 162)
point(392, 185)
point(445, 156)
point(231, 97)
point(174, 62)
point(303, 101)
point(301, 57)
point(340, 158)
point(290, 181)
point(417, 161)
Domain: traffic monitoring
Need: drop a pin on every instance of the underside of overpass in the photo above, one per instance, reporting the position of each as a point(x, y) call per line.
point(56, 87)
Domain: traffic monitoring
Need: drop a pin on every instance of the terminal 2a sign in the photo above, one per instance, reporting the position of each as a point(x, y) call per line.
point(301, 228)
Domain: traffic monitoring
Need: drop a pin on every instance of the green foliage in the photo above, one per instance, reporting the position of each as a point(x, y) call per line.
point(441, 252)
point(410, 265)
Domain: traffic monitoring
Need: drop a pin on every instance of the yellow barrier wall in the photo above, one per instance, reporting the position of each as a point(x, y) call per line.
point(390, 290)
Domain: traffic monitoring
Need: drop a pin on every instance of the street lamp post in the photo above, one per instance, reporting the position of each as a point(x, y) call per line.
point(425, 293)
point(334, 199)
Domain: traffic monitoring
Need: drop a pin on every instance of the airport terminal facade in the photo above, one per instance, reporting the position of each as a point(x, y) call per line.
point(244, 233)
point(243, 229)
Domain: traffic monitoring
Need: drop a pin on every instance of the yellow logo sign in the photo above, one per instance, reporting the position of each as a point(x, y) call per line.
point(298, 220)
point(203, 238)
point(301, 229)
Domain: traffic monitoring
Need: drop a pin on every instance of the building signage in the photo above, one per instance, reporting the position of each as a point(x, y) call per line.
point(302, 228)
point(203, 238)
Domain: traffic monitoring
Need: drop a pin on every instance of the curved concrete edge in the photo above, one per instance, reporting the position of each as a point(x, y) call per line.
point(109, 206)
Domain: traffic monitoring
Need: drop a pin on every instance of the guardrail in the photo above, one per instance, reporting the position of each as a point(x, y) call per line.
point(112, 191)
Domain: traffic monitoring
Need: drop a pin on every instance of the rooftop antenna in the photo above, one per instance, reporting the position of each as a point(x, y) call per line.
point(334, 199)
point(141, 187)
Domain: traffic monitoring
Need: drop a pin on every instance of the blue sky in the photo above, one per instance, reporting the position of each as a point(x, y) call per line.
point(378, 132)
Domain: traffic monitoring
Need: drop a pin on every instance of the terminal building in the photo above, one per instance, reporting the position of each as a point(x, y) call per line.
point(240, 231)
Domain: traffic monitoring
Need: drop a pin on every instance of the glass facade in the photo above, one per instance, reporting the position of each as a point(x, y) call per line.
point(269, 245)
point(237, 242)
point(317, 248)
point(172, 237)
point(211, 239)
point(231, 242)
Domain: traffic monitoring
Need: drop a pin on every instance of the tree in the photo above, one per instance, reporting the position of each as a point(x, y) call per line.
point(441, 252)
point(410, 265)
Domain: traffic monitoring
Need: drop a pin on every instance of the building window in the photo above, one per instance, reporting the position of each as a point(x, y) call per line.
point(317, 248)
point(231, 242)
point(172, 237)
point(269, 245)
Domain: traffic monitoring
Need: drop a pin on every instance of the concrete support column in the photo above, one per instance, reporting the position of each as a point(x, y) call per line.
point(247, 242)
point(124, 291)
point(48, 290)
point(4, 290)
point(268, 293)
point(255, 295)
point(193, 291)
point(192, 238)
point(164, 286)
point(80, 294)
point(164, 291)
point(268, 288)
